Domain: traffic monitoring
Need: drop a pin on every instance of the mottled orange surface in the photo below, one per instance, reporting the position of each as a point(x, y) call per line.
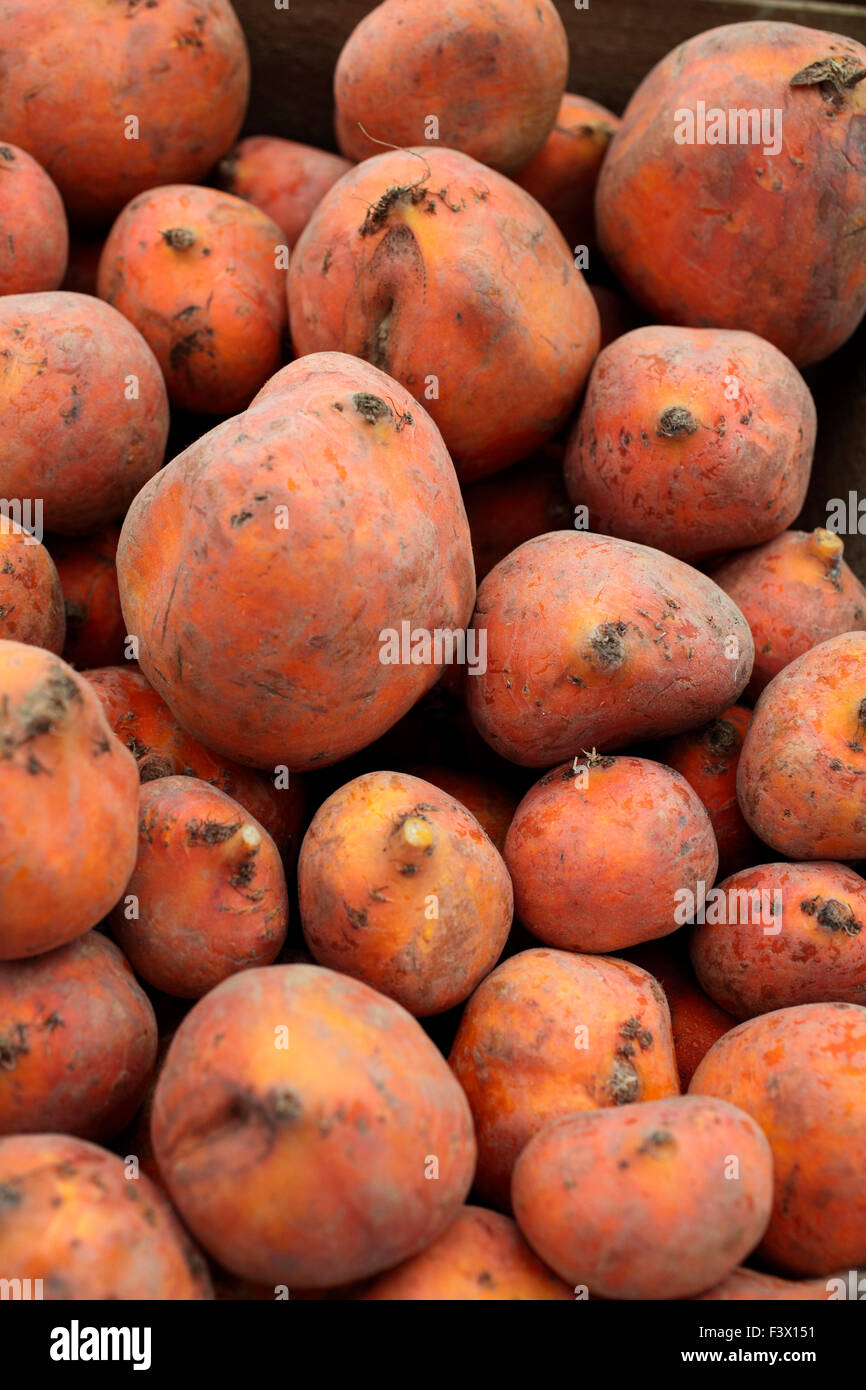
point(400, 887)
point(490, 800)
point(73, 74)
point(801, 778)
point(805, 944)
point(563, 174)
point(492, 72)
point(548, 1033)
point(729, 235)
point(801, 1074)
point(31, 601)
point(641, 1203)
point(33, 230)
point(198, 272)
point(144, 722)
point(594, 642)
point(333, 515)
point(209, 890)
point(308, 1130)
point(73, 1218)
point(68, 804)
point(77, 1041)
point(693, 440)
point(599, 849)
point(482, 1257)
point(708, 758)
point(284, 179)
point(454, 281)
point(83, 409)
point(794, 592)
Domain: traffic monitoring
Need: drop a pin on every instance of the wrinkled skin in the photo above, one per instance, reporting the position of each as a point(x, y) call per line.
point(708, 758)
point(264, 639)
point(95, 630)
point(491, 71)
point(455, 282)
point(77, 1041)
point(563, 175)
point(68, 805)
point(83, 409)
point(639, 1203)
point(800, 781)
point(814, 951)
point(209, 889)
point(71, 75)
point(740, 238)
point(801, 1073)
point(33, 229)
point(594, 642)
point(794, 592)
point(482, 1257)
point(78, 1223)
point(663, 452)
point(332, 1131)
point(284, 179)
point(400, 887)
point(522, 1062)
point(31, 601)
point(161, 748)
point(599, 849)
point(197, 272)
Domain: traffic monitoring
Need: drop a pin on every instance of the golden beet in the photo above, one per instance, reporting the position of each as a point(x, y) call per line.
point(78, 1218)
point(801, 780)
point(31, 601)
point(115, 98)
point(68, 805)
point(599, 849)
point(708, 758)
point(659, 1200)
point(33, 229)
point(267, 620)
point(785, 934)
point(490, 72)
point(400, 887)
point(455, 282)
point(199, 274)
point(83, 409)
point(482, 1257)
point(548, 1033)
point(693, 440)
point(77, 1041)
point(801, 1073)
point(794, 592)
point(308, 1131)
point(144, 722)
point(712, 208)
point(207, 897)
point(593, 642)
point(282, 178)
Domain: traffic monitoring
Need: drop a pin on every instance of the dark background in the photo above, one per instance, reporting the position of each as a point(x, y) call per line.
point(613, 44)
